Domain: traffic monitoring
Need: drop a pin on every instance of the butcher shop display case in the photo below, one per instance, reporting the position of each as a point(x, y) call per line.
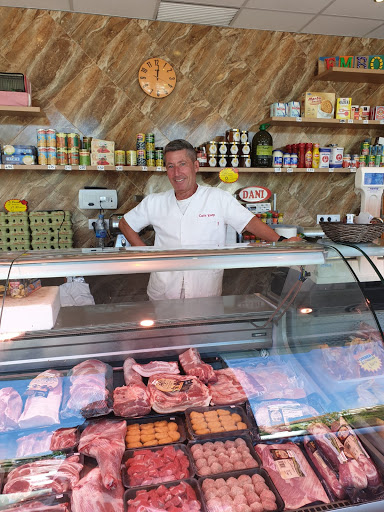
point(268, 397)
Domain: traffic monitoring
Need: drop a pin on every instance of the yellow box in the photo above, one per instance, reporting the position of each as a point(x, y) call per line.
point(102, 152)
point(319, 105)
point(343, 108)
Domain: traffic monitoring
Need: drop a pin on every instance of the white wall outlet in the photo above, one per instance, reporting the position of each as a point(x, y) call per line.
point(328, 218)
point(90, 223)
point(96, 199)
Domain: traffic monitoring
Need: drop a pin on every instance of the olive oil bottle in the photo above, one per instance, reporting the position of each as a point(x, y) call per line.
point(262, 146)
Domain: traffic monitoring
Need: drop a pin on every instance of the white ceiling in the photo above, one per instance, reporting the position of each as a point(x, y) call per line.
point(360, 18)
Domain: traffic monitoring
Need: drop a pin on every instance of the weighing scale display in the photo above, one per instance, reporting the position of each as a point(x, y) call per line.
point(374, 178)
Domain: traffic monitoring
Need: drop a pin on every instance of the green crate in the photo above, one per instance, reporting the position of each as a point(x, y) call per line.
point(10, 239)
point(41, 246)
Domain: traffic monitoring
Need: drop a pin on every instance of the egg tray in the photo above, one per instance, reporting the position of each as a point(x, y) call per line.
point(245, 437)
point(233, 409)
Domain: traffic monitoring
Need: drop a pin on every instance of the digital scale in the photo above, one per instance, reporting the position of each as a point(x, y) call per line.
point(369, 183)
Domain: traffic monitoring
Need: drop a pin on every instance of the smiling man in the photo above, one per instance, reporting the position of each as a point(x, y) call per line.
point(189, 215)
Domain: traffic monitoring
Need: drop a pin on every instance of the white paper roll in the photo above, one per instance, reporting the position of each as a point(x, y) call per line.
point(287, 231)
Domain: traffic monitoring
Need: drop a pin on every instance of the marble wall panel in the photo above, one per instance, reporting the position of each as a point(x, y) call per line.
point(83, 70)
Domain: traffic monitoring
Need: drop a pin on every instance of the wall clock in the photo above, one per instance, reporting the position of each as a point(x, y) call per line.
point(157, 78)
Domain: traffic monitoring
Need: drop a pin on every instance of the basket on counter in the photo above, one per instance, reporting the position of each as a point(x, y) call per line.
point(352, 233)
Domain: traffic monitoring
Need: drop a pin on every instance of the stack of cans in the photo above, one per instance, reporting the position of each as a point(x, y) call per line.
point(85, 151)
point(58, 148)
point(146, 152)
point(140, 149)
point(46, 146)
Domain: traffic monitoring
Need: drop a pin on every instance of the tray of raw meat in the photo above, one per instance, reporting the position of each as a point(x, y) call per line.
point(241, 491)
point(213, 422)
point(155, 431)
point(184, 496)
point(227, 454)
point(156, 465)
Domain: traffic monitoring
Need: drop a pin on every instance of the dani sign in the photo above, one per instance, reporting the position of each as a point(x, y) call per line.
point(254, 194)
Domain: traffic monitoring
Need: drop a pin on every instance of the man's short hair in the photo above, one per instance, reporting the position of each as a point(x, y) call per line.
point(178, 145)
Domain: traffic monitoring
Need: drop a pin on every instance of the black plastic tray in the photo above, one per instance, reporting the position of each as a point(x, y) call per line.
point(232, 408)
point(129, 454)
point(131, 493)
point(170, 417)
point(258, 471)
point(245, 437)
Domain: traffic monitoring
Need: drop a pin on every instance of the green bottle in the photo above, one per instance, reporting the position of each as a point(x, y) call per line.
point(262, 146)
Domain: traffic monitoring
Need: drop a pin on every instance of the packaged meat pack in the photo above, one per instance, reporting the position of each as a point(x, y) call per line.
point(227, 390)
point(11, 405)
point(91, 494)
point(131, 400)
point(185, 496)
point(155, 431)
point(154, 367)
point(172, 393)
point(44, 395)
point(36, 443)
point(90, 391)
point(223, 455)
point(156, 465)
point(234, 491)
point(292, 475)
point(50, 503)
point(213, 422)
point(193, 365)
point(65, 439)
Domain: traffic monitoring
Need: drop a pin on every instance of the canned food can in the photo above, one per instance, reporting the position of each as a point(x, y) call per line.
point(159, 157)
point(51, 156)
point(150, 137)
point(119, 157)
point(150, 157)
point(73, 141)
point(61, 140)
point(151, 162)
point(325, 155)
point(372, 159)
point(42, 156)
point(150, 146)
point(365, 148)
point(141, 161)
point(87, 143)
point(51, 138)
point(131, 157)
point(62, 156)
point(140, 145)
point(84, 157)
point(377, 160)
point(41, 138)
point(141, 157)
point(362, 160)
point(346, 160)
point(73, 157)
point(140, 137)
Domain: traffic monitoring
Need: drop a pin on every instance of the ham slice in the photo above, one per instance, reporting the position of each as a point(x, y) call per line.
point(147, 370)
point(193, 365)
point(90, 495)
point(11, 406)
point(43, 403)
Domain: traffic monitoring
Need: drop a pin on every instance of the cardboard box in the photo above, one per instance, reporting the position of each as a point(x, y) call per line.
point(20, 288)
point(355, 112)
point(318, 105)
point(293, 109)
point(343, 108)
point(364, 112)
point(102, 152)
point(377, 113)
point(278, 110)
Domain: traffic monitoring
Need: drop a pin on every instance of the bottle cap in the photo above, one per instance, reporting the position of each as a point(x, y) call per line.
point(264, 126)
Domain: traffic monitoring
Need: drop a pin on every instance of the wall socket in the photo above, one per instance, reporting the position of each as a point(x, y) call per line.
point(328, 218)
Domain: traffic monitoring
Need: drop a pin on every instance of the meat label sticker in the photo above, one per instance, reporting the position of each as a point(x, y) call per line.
point(42, 384)
point(368, 361)
point(286, 464)
point(172, 385)
point(229, 175)
point(284, 414)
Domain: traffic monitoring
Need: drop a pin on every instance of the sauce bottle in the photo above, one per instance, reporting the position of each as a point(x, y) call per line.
point(308, 154)
point(301, 155)
point(316, 156)
point(262, 146)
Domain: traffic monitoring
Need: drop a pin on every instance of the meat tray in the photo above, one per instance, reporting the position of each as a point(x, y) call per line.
point(233, 409)
point(131, 493)
point(245, 437)
point(279, 501)
point(152, 419)
point(130, 453)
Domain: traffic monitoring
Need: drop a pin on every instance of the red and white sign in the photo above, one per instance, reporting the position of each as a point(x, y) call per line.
point(254, 194)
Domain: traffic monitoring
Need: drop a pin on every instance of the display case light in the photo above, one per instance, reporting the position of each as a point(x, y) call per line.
point(378, 1)
point(147, 323)
point(305, 311)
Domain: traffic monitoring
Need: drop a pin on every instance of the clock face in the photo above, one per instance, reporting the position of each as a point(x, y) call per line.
point(157, 78)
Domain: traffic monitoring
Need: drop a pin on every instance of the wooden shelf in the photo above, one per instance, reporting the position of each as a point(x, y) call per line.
point(125, 168)
point(19, 111)
point(322, 123)
point(373, 76)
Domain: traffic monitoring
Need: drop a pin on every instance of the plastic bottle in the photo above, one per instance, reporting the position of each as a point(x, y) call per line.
point(308, 155)
point(316, 156)
point(101, 232)
point(301, 162)
point(262, 145)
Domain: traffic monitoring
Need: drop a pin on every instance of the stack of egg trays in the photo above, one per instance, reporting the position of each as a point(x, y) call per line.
point(51, 230)
point(15, 232)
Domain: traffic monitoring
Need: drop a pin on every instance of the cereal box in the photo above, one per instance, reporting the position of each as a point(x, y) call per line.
point(102, 152)
point(343, 108)
point(318, 105)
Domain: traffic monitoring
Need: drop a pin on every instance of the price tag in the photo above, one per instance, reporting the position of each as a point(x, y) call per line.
point(309, 169)
point(352, 169)
point(8, 166)
point(299, 119)
point(159, 168)
point(331, 169)
point(289, 169)
point(68, 167)
point(365, 121)
point(82, 167)
point(144, 168)
point(277, 169)
point(100, 168)
point(350, 121)
point(381, 121)
point(51, 167)
point(119, 167)
point(342, 120)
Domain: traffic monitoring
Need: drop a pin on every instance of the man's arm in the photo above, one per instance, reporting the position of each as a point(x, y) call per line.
point(131, 235)
point(263, 231)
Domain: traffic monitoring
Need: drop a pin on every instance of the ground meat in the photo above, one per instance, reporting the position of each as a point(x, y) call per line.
point(229, 444)
point(235, 491)
point(267, 495)
point(200, 463)
point(223, 458)
point(239, 499)
point(208, 483)
point(269, 505)
point(211, 460)
point(257, 478)
point(242, 508)
point(198, 454)
point(207, 446)
point(218, 444)
point(205, 471)
point(256, 507)
point(240, 442)
point(220, 482)
point(239, 465)
point(250, 463)
point(259, 488)
point(252, 497)
point(227, 467)
point(216, 468)
point(232, 481)
point(235, 457)
point(248, 487)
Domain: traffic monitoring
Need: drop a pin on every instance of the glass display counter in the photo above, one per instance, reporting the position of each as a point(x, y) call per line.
point(269, 397)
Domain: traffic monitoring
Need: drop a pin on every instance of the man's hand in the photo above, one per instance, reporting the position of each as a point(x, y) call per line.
point(294, 239)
